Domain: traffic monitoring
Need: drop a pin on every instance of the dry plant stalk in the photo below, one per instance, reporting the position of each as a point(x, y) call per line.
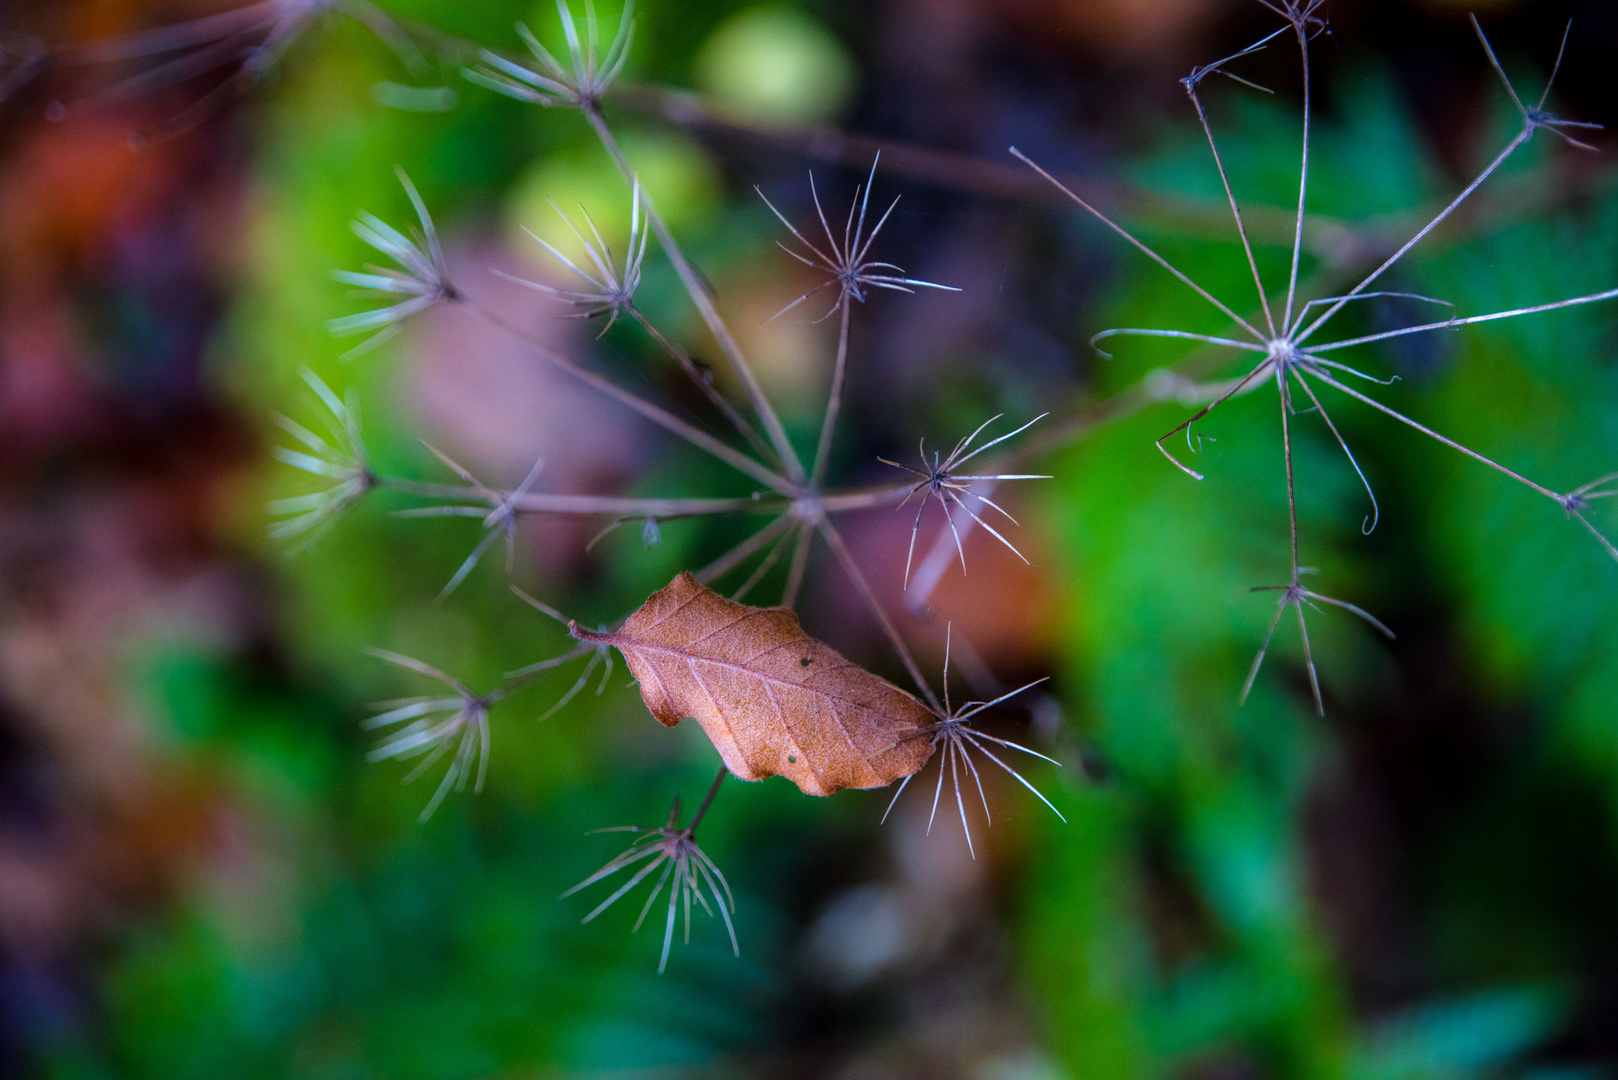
point(1279, 335)
point(772, 699)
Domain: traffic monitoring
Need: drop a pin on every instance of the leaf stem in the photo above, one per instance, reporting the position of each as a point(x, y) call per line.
point(707, 801)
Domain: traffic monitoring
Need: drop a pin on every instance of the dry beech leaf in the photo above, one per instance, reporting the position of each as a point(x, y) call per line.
point(772, 699)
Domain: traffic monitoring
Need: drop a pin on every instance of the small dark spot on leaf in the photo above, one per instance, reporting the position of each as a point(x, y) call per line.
point(792, 759)
point(805, 661)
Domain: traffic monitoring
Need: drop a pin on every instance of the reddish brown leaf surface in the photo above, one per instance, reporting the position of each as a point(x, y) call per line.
point(772, 699)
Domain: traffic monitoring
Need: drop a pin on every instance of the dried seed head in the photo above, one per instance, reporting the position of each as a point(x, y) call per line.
point(686, 870)
point(464, 726)
point(610, 288)
point(851, 273)
point(942, 480)
point(340, 458)
point(955, 736)
point(421, 281)
point(581, 81)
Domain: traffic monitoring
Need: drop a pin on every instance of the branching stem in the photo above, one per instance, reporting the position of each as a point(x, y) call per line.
point(704, 304)
point(658, 415)
point(833, 402)
point(834, 540)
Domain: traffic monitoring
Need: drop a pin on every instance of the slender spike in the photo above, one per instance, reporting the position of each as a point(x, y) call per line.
point(997, 441)
point(826, 262)
point(1151, 254)
point(1310, 360)
point(629, 858)
point(1241, 384)
point(1209, 339)
point(1608, 544)
point(1258, 661)
point(662, 417)
point(973, 708)
point(1355, 609)
point(894, 801)
point(745, 550)
point(1425, 231)
point(911, 554)
point(763, 569)
point(1230, 194)
point(1016, 746)
point(1429, 432)
point(1309, 659)
point(949, 519)
point(834, 540)
point(990, 528)
point(662, 879)
point(1015, 775)
point(800, 562)
point(698, 293)
point(960, 804)
point(1470, 320)
point(1303, 174)
point(988, 819)
point(1368, 526)
point(939, 790)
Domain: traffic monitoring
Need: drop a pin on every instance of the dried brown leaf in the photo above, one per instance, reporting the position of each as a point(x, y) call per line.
point(772, 699)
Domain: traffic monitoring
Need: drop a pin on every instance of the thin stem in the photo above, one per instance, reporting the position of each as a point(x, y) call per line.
point(1154, 256)
point(1425, 430)
point(586, 505)
point(1593, 298)
point(1368, 526)
point(1236, 388)
point(704, 304)
point(762, 570)
point(1206, 339)
point(864, 498)
point(834, 540)
point(1286, 443)
point(1466, 193)
point(704, 384)
point(1235, 209)
point(744, 550)
point(1303, 173)
point(707, 801)
point(661, 417)
point(800, 562)
point(1309, 659)
point(833, 400)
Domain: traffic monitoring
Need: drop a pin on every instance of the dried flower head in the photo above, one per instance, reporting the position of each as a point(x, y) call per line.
point(941, 480)
point(610, 288)
point(954, 734)
point(421, 281)
point(465, 729)
point(340, 458)
point(579, 83)
point(675, 851)
point(1279, 344)
point(845, 260)
point(499, 515)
